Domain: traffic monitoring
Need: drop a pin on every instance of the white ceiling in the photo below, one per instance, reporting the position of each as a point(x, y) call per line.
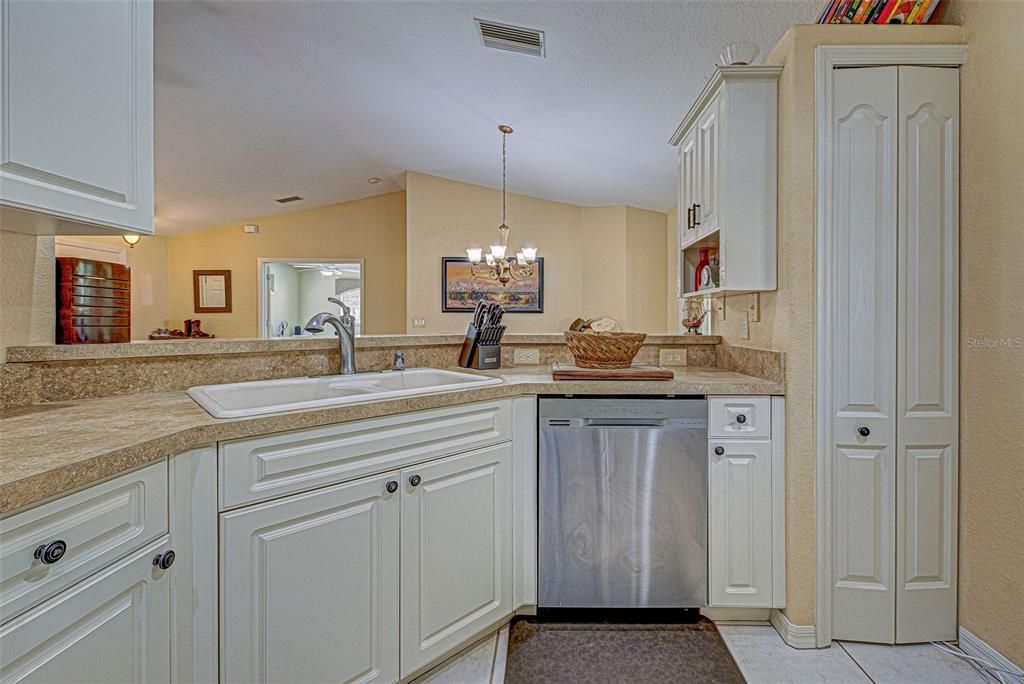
point(263, 99)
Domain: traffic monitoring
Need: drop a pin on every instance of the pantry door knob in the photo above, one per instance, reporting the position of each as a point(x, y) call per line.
point(741, 419)
point(164, 560)
point(863, 431)
point(415, 480)
point(50, 553)
point(719, 451)
point(392, 486)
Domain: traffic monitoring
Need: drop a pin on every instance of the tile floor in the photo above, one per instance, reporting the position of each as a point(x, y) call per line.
point(764, 659)
point(482, 663)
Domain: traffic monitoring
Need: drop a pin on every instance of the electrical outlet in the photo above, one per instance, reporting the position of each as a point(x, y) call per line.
point(672, 357)
point(745, 326)
point(525, 357)
point(419, 323)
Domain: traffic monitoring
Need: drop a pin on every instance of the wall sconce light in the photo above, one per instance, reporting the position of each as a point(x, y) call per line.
point(131, 239)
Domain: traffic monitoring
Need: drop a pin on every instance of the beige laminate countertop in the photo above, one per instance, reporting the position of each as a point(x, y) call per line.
point(51, 449)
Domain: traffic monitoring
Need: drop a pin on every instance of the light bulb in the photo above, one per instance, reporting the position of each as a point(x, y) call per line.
point(474, 254)
point(530, 253)
point(498, 251)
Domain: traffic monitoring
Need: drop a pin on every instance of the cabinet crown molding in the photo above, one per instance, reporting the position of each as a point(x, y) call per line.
point(722, 75)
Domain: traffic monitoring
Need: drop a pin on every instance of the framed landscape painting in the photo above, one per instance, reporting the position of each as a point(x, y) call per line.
point(461, 290)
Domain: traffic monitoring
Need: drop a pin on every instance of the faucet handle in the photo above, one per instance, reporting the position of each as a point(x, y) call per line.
point(399, 361)
point(344, 307)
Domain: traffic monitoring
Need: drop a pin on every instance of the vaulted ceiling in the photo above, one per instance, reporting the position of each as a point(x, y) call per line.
point(257, 100)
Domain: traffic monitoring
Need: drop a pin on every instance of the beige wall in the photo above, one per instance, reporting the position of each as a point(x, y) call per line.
point(992, 284)
point(585, 250)
point(602, 245)
point(787, 315)
point(371, 229)
point(646, 271)
point(27, 275)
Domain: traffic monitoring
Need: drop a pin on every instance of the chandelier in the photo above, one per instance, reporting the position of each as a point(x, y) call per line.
point(498, 264)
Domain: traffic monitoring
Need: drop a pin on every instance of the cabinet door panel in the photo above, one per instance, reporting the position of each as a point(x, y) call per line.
point(456, 551)
point(689, 179)
point(112, 628)
point(309, 587)
point(740, 523)
point(863, 352)
point(708, 131)
point(77, 110)
point(926, 448)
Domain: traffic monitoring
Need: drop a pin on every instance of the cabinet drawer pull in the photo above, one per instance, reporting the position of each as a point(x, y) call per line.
point(696, 215)
point(164, 560)
point(689, 218)
point(415, 480)
point(392, 486)
point(863, 431)
point(50, 553)
point(719, 451)
point(741, 419)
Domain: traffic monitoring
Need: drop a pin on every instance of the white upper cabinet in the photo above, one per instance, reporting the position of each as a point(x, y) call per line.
point(76, 116)
point(728, 180)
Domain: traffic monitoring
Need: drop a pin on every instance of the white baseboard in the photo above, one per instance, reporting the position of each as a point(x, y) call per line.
point(737, 616)
point(797, 636)
point(973, 646)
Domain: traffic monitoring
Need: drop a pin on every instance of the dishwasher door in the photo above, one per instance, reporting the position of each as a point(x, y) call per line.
point(622, 503)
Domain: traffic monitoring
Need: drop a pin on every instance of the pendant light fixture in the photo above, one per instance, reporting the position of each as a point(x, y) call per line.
point(498, 264)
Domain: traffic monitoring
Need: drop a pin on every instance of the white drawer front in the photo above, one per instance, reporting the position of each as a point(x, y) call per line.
point(98, 525)
point(732, 417)
point(263, 468)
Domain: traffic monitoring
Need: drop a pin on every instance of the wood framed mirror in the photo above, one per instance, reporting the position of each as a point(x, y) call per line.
point(211, 291)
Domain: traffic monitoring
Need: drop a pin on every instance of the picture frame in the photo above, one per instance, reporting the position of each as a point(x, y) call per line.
point(461, 290)
point(211, 291)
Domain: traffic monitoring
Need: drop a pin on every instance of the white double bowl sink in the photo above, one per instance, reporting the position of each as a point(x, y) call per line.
point(241, 399)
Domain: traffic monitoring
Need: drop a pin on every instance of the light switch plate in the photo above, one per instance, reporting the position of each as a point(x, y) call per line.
point(745, 326)
point(673, 356)
point(419, 323)
point(525, 357)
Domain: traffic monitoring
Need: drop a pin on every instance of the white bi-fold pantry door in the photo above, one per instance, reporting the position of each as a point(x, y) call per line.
point(893, 355)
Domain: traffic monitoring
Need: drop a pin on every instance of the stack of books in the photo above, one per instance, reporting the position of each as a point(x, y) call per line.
point(878, 11)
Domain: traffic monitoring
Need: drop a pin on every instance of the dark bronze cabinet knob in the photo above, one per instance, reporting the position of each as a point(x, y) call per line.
point(863, 431)
point(392, 486)
point(741, 419)
point(50, 553)
point(415, 480)
point(719, 451)
point(164, 560)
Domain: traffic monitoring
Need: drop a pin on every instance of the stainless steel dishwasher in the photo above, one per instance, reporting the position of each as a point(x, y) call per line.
point(623, 503)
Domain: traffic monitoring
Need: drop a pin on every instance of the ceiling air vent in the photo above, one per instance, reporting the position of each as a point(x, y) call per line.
point(526, 41)
point(286, 200)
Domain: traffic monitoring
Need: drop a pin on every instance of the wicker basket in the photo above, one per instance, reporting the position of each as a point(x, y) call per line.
point(604, 350)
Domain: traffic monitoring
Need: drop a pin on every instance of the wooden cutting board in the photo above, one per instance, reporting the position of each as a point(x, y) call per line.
point(641, 371)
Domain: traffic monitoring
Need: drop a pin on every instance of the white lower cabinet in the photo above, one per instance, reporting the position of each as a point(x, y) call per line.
point(113, 627)
point(309, 586)
point(310, 583)
point(456, 551)
point(740, 523)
